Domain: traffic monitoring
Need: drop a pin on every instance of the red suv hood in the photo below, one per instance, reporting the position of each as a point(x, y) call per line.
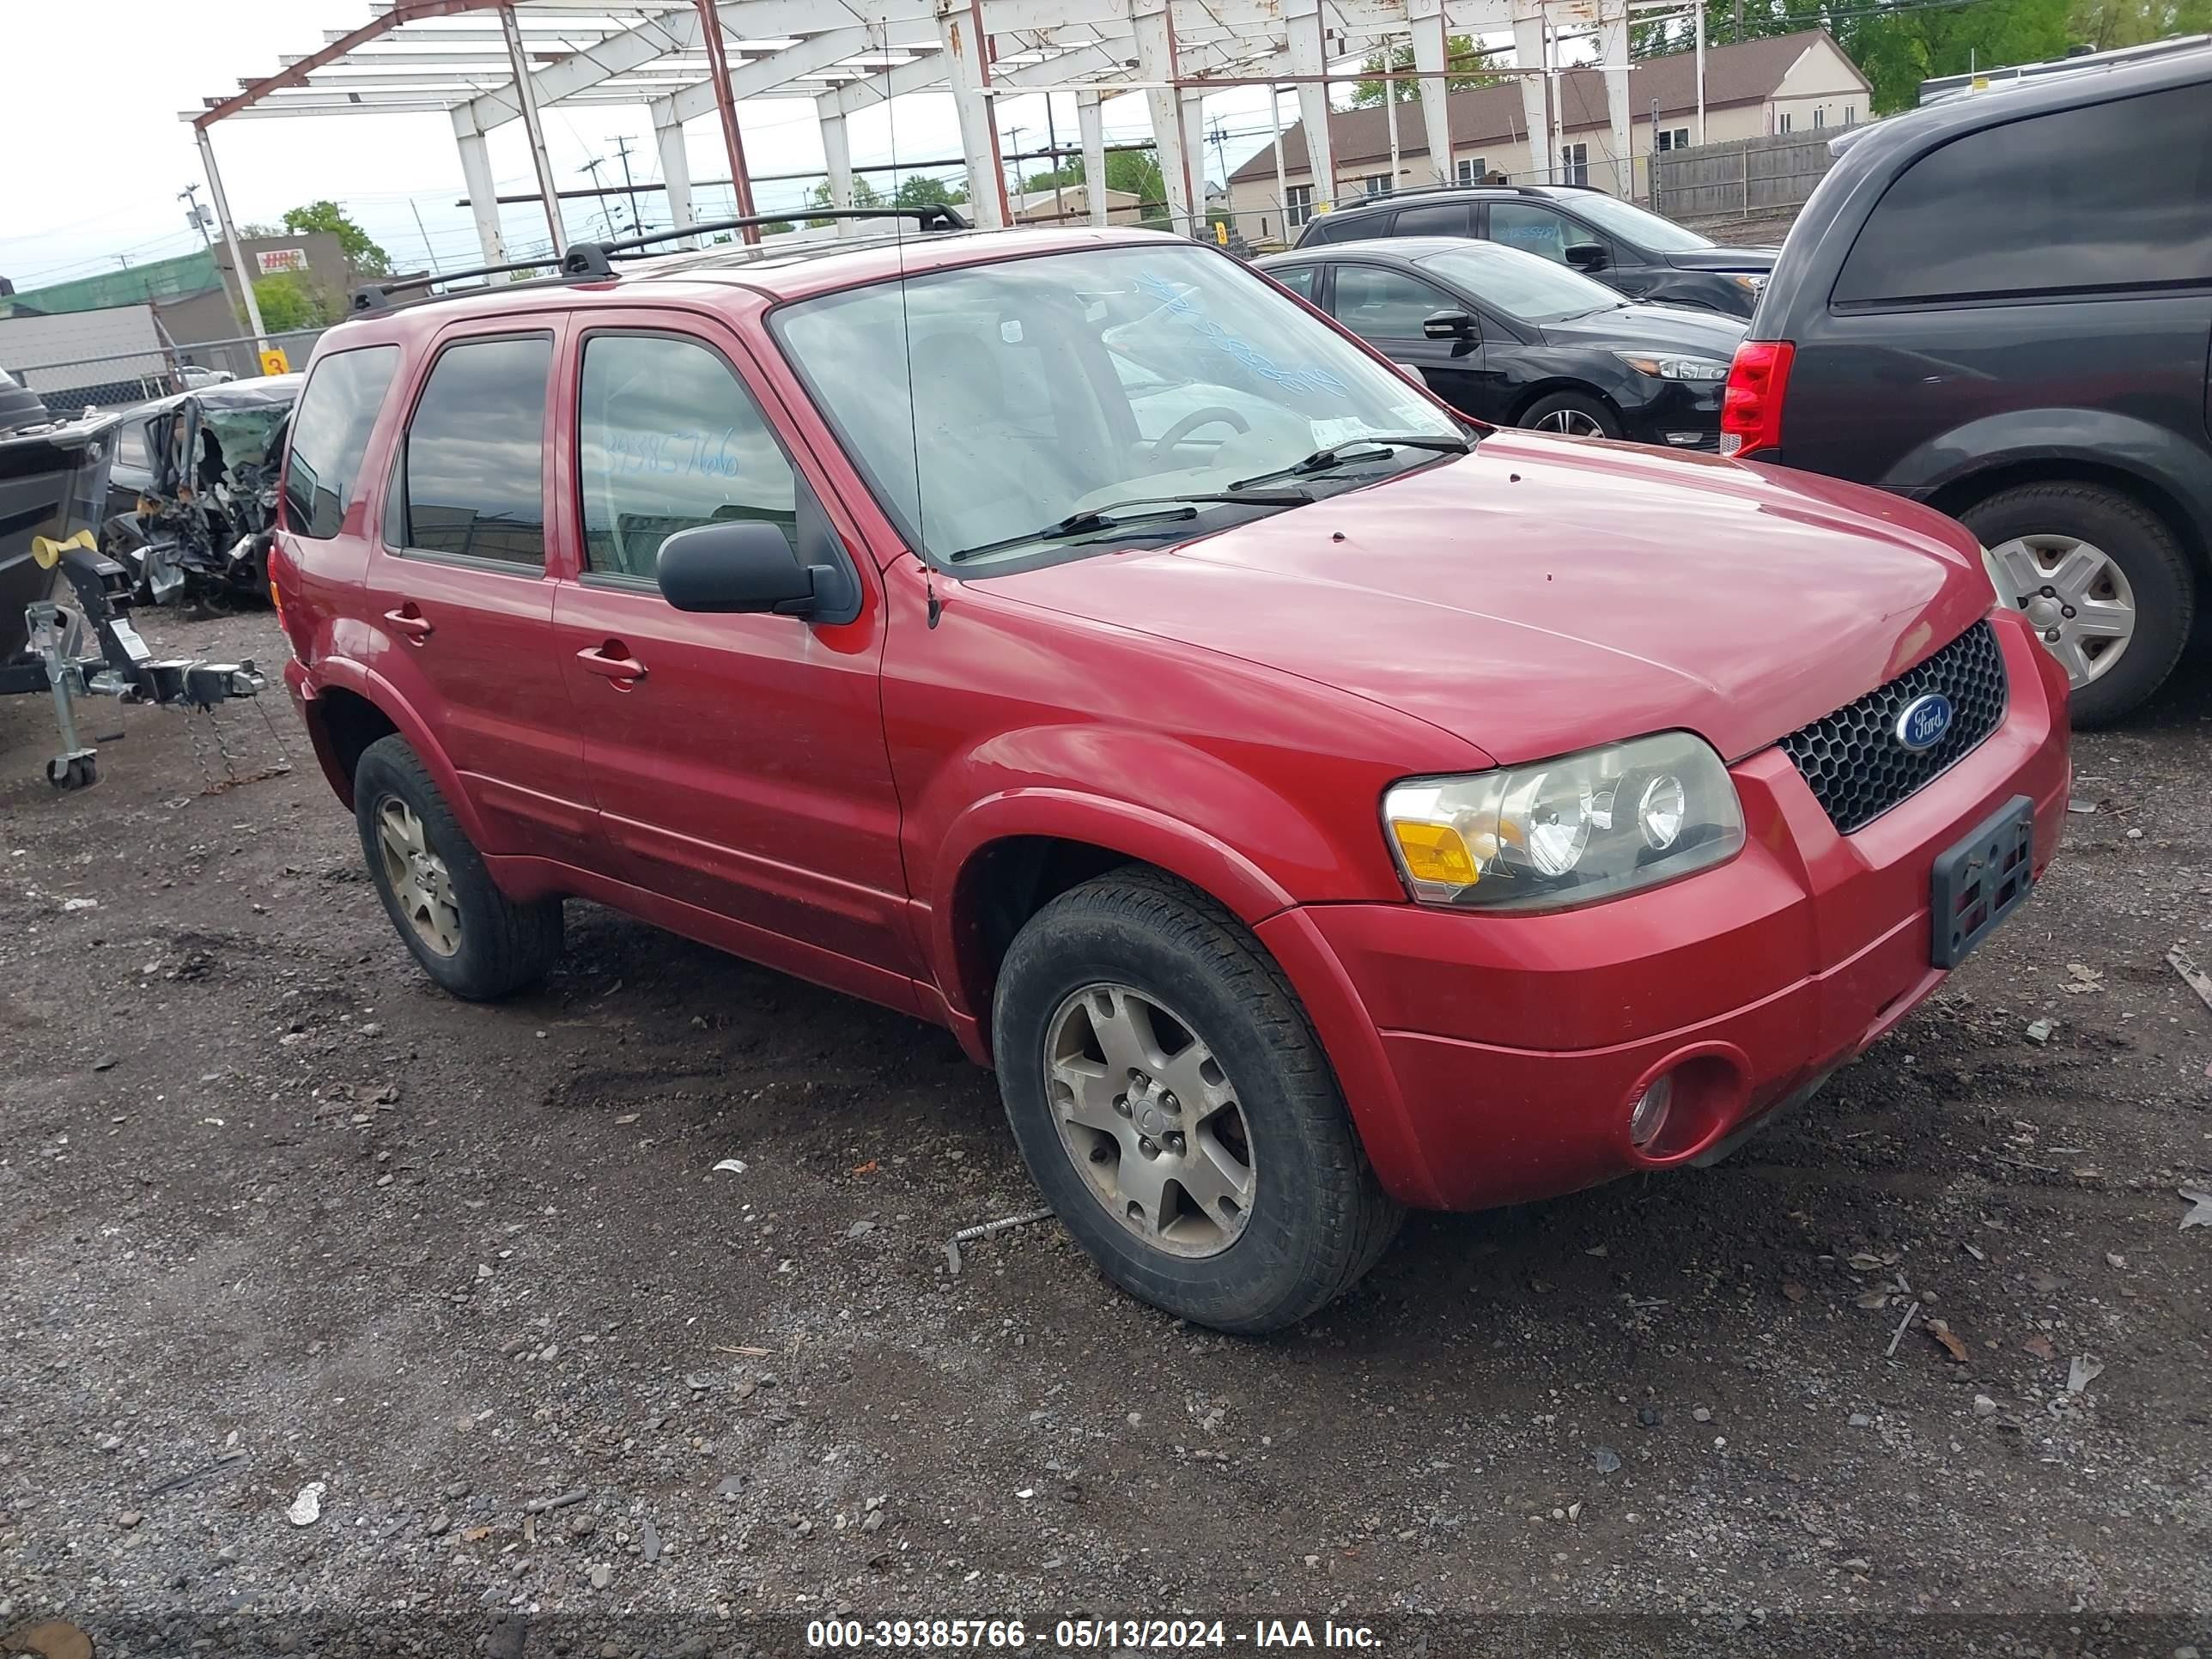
point(1543, 595)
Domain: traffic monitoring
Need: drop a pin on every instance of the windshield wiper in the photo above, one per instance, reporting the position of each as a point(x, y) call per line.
point(1338, 453)
point(1112, 517)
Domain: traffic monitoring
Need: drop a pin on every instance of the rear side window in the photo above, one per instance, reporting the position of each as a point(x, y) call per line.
point(1330, 229)
point(330, 434)
point(667, 438)
point(1446, 219)
point(2116, 194)
point(472, 473)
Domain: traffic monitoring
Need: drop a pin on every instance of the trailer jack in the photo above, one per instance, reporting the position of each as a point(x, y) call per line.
point(91, 649)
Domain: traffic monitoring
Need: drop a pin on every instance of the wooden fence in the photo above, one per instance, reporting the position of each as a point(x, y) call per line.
point(1746, 177)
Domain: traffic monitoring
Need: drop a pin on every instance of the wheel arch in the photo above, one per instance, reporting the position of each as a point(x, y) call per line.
point(1010, 855)
point(1554, 385)
point(350, 707)
point(1961, 495)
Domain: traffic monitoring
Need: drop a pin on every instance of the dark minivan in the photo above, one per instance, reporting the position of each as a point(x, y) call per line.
point(2002, 307)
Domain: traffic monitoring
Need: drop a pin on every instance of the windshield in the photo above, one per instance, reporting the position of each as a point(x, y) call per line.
point(1525, 287)
point(1632, 223)
point(1047, 387)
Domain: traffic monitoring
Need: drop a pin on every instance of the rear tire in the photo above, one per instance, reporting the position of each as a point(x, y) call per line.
point(1297, 1219)
point(2039, 519)
point(470, 937)
point(1571, 415)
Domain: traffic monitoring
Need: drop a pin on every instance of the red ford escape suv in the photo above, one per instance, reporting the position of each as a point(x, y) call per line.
point(1311, 803)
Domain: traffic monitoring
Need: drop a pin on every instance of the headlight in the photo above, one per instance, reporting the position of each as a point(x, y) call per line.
point(1702, 369)
point(1751, 281)
point(1566, 831)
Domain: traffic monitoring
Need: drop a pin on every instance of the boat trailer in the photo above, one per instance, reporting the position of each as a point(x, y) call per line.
point(91, 649)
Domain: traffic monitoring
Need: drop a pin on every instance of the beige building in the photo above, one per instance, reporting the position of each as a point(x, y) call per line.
point(1782, 83)
point(1071, 205)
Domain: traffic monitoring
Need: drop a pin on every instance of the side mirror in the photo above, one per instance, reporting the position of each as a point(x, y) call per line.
point(1451, 325)
point(1584, 256)
point(741, 565)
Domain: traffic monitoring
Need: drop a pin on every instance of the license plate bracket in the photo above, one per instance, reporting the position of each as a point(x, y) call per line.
point(1981, 880)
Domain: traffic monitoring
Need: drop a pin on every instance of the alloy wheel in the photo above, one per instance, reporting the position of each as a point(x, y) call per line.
point(1149, 1120)
point(2074, 596)
point(1569, 423)
point(418, 878)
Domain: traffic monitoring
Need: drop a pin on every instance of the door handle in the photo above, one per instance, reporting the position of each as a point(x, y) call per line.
point(410, 624)
point(611, 661)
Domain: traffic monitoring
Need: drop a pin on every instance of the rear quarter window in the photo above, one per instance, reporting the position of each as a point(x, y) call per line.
point(2112, 196)
point(1350, 228)
point(330, 435)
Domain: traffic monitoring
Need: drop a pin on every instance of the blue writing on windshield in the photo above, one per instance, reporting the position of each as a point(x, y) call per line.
point(1177, 304)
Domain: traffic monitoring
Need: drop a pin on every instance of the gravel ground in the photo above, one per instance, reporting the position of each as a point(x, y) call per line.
point(278, 1216)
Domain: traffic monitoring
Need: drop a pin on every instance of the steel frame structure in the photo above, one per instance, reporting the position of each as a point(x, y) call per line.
point(484, 62)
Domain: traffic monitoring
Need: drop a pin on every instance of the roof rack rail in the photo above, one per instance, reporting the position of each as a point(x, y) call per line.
point(588, 261)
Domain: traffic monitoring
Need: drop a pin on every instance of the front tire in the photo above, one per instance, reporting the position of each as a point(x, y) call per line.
point(2104, 581)
point(1571, 415)
point(1174, 1105)
point(470, 937)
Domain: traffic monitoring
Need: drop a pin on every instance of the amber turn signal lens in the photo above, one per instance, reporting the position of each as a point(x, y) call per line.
point(1434, 851)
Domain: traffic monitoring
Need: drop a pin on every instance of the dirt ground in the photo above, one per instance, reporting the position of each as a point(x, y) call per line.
point(277, 1213)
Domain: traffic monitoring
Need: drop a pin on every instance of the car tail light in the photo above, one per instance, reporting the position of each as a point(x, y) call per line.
point(1751, 408)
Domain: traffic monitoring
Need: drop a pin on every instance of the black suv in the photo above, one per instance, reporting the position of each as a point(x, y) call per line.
point(2002, 306)
point(1638, 253)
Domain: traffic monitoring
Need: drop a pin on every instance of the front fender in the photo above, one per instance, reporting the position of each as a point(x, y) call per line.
point(2097, 438)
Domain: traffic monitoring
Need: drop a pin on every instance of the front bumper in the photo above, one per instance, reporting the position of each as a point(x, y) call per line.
point(1493, 1059)
point(1676, 415)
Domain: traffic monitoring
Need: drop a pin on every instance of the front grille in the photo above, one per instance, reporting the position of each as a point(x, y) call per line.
point(1852, 760)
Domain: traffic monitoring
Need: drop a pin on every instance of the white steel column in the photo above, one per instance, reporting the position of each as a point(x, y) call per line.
point(1431, 52)
point(836, 159)
point(675, 166)
point(483, 194)
point(1613, 54)
point(1390, 117)
point(1090, 122)
point(1529, 58)
point(230, 240)
point(1156, 64)
point(1282, 190)
point(525, 94)
point(959, 27)
point(1193, 137)
point(1699, 26)
point(1307, 52)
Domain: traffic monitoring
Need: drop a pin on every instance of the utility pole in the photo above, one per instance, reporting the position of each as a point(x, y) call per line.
point(1052, 141)
point(1014, 150)
point(593, 168)
point(190, 195)
point(621, 149)
point(428, 252)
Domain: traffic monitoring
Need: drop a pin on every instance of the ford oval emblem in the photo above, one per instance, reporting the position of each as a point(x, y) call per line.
point(1922, 722)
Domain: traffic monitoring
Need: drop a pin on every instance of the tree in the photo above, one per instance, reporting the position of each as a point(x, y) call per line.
point(920, 190)
point(361, 254)
point(864, 195)
point(1459, 54)
point(1897, 43)
point(288, 302)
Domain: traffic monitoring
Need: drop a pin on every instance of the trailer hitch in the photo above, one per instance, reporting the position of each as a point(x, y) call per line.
point(91, 650)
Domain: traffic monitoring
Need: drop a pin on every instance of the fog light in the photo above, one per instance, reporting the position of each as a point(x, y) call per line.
point(1648, 1116)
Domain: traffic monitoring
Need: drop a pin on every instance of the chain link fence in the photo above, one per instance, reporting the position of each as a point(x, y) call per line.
point(71, 386)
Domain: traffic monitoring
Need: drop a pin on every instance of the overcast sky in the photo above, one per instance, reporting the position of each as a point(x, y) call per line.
point(96, 153)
